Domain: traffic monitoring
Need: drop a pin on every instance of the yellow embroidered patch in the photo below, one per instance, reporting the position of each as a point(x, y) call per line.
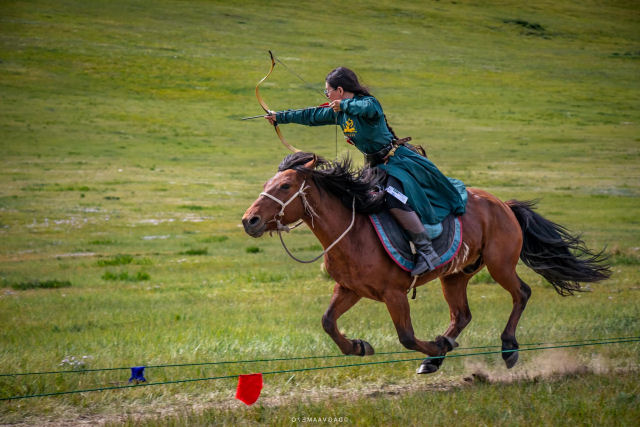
point(348, 127)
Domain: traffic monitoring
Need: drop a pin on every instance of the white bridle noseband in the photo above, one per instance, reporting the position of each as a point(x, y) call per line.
point(283, 205)
point(307, 207)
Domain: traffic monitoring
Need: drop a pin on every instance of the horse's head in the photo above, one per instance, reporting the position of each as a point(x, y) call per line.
point(282, 202)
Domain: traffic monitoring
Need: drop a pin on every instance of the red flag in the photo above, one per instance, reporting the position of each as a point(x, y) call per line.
point(249, 388)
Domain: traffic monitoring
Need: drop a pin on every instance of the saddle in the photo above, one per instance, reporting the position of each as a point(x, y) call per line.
point(446, 238)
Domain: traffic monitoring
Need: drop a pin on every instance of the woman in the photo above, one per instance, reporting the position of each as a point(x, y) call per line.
point(416, 190)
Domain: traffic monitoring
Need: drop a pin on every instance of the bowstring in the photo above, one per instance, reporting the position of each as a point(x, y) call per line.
point(308, 85)
point(313, 88)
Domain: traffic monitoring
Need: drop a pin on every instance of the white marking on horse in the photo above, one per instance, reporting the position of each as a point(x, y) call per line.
point(460, 260)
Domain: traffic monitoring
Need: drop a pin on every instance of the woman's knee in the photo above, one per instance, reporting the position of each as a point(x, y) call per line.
point(392, 200)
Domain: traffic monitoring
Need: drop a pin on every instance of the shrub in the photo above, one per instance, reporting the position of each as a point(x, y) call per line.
point(36, 284)
point(116, 260)
point(125, 277)
point(200, 251)
point(215, 239)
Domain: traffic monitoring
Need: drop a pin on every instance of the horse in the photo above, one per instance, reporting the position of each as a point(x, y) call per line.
point(333, 200)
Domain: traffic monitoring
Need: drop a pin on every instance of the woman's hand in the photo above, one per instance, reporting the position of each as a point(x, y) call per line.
point(271, 117)
point(335, 105)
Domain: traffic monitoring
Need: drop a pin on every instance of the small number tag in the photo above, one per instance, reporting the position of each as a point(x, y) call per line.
point(395, 193)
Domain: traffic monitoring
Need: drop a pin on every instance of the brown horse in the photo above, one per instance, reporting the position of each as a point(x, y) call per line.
point(496, 234)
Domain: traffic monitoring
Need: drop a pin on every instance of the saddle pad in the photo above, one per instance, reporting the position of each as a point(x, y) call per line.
point(395, 242)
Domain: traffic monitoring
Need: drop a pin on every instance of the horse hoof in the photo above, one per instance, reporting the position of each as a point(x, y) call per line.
point(368, 350)
point(510, 359)
point(430, 365)
point(427, 368)
point(365, 348)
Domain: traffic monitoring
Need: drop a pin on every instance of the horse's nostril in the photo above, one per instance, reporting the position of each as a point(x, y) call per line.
point(254, 220)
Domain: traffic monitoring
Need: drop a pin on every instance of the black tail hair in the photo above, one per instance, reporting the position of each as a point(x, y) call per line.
point(553, 252)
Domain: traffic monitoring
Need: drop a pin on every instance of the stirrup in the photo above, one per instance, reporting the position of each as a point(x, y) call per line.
point(421, 268)
point(425, 263)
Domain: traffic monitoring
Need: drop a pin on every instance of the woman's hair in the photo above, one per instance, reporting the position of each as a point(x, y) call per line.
point(348, 80)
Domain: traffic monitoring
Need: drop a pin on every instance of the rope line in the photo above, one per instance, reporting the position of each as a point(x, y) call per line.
point(284, 359)
point(316, 368)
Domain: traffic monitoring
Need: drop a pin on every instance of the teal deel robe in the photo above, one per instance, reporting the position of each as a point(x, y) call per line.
point(431, 194)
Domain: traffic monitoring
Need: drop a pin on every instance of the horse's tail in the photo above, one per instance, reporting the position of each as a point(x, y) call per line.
point(551, 251)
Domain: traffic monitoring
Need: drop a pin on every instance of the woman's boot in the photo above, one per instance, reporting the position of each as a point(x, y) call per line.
point(426, 257)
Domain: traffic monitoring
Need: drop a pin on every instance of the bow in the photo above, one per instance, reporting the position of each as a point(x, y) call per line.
point(267, 110)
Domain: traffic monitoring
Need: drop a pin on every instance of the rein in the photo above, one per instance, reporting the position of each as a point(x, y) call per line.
point(307, 207)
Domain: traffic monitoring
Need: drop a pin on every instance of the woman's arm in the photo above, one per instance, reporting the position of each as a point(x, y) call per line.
point(317, 116)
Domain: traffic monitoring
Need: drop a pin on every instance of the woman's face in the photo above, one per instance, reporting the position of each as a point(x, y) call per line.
point(333, 94)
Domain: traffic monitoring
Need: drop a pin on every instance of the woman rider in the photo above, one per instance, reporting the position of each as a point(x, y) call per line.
point(416, 190)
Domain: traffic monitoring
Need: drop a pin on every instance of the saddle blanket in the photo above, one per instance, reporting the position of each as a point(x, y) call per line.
point(446, 238)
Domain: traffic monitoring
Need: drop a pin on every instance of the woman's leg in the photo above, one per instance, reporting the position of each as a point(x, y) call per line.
point(426, 257)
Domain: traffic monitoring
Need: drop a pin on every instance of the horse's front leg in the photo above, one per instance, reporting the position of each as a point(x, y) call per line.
point(341, 301)
point(454, 289)
point(398, 306)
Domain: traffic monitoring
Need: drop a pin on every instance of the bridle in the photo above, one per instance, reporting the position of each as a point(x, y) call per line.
point(309, 210)
point(307, 207)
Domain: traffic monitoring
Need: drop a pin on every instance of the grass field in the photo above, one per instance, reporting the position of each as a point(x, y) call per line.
point(125, 171)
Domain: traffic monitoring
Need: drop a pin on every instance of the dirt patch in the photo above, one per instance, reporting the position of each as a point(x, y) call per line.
point(551, 364)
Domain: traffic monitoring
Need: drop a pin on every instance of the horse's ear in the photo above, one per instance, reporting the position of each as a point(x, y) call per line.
point(311, 164)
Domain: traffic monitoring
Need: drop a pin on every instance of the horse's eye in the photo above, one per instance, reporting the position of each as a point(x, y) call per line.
point(285, 186)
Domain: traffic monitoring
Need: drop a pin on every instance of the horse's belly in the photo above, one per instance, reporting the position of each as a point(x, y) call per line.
point(365, 282)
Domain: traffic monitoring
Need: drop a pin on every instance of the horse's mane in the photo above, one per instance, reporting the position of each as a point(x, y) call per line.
point(340, 179)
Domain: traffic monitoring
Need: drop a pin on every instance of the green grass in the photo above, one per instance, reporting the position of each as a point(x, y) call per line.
point(579, 398)
point(123, 156)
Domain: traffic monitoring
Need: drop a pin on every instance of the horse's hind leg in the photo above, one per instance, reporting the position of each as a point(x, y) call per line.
point(505, 275)
point(341, 301)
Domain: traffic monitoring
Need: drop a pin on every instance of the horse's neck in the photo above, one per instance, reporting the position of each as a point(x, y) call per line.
point(331, 220)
